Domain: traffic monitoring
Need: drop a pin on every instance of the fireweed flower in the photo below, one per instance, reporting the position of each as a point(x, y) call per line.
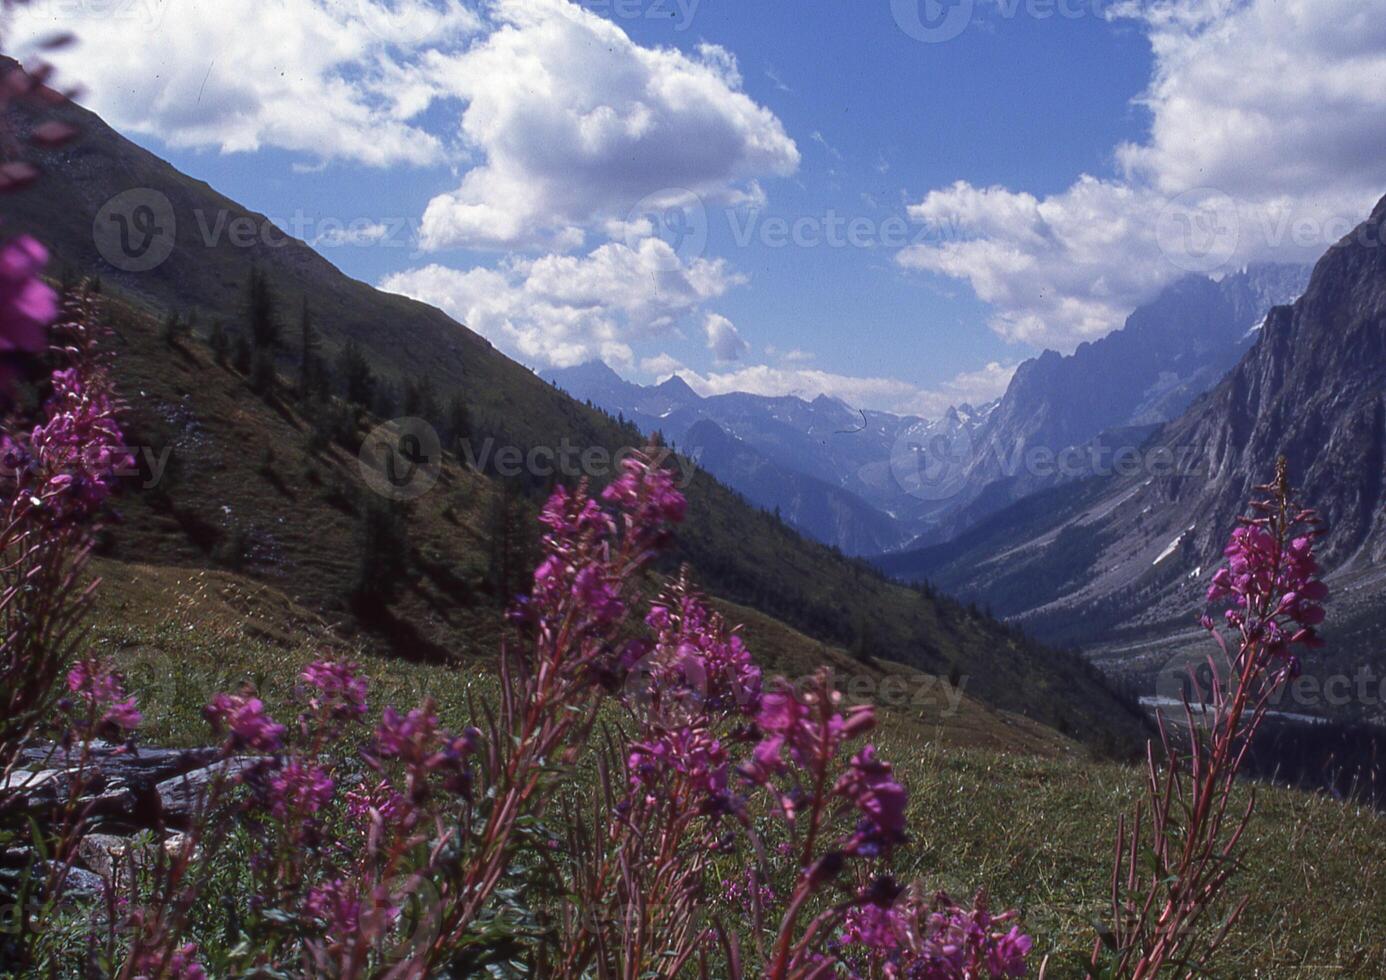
point(409, 737)
point(338, 905)
point(297, 788)
point(869, 785)
point(872, 926)
point(789, 722)
point(648, 496)
point(697, 654)
point(181, 964)
point(66, 466)
point(101, 694)
point(27, 304)
point(340, 692)
point(245, 721)
point(691, 753)
point(415, 740)
point(1270, 584)
point(936, 940)
point(745, 892)
point(578, 597)
point(381, 798)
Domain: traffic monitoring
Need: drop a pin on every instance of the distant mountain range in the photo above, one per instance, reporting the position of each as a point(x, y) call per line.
point(870, 482)
point(823, 466)
point(1120, 562)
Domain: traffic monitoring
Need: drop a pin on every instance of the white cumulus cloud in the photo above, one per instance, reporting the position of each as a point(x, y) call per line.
point(723, 339)
point(561, 310)
point(331, 79)
point(1265, 142)
point(574, 125)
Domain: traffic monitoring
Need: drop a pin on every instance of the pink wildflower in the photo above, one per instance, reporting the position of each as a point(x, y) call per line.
point(181, 964)
point(298, 788)
point(880, 800)
point(27, 304)
point(408, 737)
point(382, 798)
point(68, 464)
point(690, 753)
point(246, 721)
point(341, 692)
point(416, 740)
point(338, 905)
point(103, 695)
point(1270, 582)
point(647, 494)
point(937, 941)
point(873, 926)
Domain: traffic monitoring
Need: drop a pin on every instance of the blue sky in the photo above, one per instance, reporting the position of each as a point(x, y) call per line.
point(971, 180)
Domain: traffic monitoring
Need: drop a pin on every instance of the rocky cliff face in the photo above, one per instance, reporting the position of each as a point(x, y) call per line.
point(1118, 388)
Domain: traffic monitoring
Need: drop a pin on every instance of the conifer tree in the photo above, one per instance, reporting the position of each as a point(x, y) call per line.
point(308, 344)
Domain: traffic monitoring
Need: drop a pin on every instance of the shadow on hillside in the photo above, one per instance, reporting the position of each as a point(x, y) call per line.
point(404, 639)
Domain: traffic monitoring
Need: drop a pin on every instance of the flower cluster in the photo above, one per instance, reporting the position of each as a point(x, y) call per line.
point(338, 905)
point(379, 798)
point(747, 891)
point(1178, 849)
point(425, 750)
point(299, 789)
point(579, 584)
point(65, 467)
point(649, 499)
point(1270, 580)
point(27, 304)
point(339, 692)
point(704, 745)
point(689, 684)
point(245, 721)
point(808, 726)
point(690, 752)
point(178, 964)
point(696, 654)
point(937, 940)
point(879, 799)
point(104, 703)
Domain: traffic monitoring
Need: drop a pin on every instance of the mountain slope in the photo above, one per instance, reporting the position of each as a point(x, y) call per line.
point(1121, 563)
point(816, 508)
point(1107, 396)
point(232, 501)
